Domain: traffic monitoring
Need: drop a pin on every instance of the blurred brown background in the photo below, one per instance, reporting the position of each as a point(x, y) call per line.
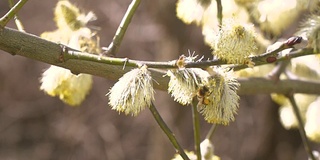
point(36, 126)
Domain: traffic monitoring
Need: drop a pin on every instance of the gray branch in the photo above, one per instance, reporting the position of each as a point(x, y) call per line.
point(33, 47)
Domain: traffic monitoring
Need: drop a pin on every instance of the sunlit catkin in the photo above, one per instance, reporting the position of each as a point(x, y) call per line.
point(312, 127)
point(71, 89)
point(133, 92)
point(235, 42)
point(60, 82)
point(192, 10)
point(223, 101)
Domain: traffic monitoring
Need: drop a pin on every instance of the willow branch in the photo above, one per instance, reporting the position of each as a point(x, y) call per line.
point(11, 13)
point(167, 131)
point(117, 39)
point(33, 47)
point(71, 55)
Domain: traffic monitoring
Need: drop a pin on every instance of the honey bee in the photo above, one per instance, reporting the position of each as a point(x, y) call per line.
point(203, 97)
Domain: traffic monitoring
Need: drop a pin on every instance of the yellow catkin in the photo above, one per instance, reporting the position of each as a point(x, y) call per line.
point(234, 42)
point(56, 81)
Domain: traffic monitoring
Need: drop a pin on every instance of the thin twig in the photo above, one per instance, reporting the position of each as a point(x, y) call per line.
point(211, 131)
point(273, 56)
point(11, 13)
point(219, 12)
point(278, 70)
point(16, 19)
point(117, 39)
point(258, 60)
point(196, 129)
point(168, 132)
point(303, 135)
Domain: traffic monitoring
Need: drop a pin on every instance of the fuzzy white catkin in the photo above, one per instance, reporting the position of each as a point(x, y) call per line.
point(133, 92)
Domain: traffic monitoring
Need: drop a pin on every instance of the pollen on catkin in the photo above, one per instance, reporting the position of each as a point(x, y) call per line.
point(234, 42)
point(223, 101)
point(133, 92)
